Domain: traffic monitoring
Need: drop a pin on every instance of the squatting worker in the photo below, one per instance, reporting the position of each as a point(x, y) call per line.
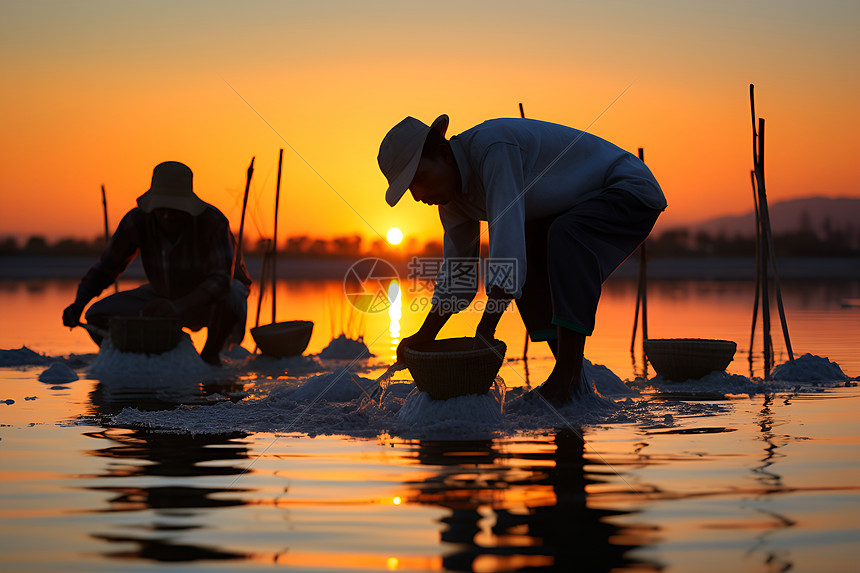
point(187, 251)
point(564, 209)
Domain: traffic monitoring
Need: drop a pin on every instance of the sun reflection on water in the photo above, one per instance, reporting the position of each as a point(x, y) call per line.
point(395, 313)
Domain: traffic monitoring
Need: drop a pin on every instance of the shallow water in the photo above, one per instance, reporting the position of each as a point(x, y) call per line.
point(730, 473)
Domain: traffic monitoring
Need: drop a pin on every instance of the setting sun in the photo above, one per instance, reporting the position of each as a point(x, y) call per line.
point(394, 236)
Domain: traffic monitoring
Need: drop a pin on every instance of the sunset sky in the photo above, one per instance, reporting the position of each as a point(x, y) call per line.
point(100, 92)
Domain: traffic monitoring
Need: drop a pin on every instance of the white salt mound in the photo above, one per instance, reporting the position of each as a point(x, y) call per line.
point(346, 349)
point(808, 368)
point(459, 415)
point(717, 383)
point(183, 362)
point(293, 365)
point(605, 381)
point(58, 373)
point(338, 386)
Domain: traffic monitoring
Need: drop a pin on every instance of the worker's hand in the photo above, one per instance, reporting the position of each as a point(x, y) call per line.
point(160, 307)
point(72, 314)
point(409, 341)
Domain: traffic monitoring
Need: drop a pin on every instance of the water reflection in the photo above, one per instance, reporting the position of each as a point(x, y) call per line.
point(768, 477)
point(111, 395)
point(166, 512)
point(523, 504)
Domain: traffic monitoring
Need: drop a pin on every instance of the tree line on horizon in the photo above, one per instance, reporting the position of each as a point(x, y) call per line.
point(676, 242)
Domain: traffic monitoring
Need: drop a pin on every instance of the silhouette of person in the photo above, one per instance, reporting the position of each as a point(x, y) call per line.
point(564, 209)
point(187, 251)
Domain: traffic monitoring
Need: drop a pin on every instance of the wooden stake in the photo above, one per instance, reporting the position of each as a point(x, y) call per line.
point(522, 113)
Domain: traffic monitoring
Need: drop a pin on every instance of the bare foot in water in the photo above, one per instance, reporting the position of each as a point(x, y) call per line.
point(559, 391)
point(213, 359)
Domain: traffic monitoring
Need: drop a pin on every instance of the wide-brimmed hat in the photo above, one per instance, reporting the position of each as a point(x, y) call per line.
point(171, 188)
point(400, 153)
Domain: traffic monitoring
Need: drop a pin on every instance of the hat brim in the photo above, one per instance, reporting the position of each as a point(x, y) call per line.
point(398, 187)
point(150, 200)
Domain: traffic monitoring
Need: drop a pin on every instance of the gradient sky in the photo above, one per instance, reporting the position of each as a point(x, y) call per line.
point(100, 92)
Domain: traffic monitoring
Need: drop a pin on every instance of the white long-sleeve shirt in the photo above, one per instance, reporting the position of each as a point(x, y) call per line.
point(515, 170)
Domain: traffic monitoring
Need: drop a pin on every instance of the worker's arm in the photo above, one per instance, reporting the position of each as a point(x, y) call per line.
point(497, 302)
point(433, 323)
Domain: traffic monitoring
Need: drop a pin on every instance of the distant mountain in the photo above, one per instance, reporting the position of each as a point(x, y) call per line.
point(820, 215)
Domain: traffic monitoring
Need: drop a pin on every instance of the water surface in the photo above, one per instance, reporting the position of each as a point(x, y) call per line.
point(761, 482)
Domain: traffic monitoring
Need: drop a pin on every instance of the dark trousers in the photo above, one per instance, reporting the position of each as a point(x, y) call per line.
point(569, 255)
point(228, 314)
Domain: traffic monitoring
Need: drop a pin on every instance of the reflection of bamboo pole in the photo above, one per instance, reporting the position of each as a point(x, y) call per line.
point(275, 240)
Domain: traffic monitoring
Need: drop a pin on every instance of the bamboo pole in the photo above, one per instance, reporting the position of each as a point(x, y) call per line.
point(242, 221)
point(765, 229)
point(757, 268)
point(769, 244)
point(765, 252)
point(263, 279)
point(636, 312)
point(758, 264)
point(107, 229)
point(275, 240)
point(642, 289)
point(643, 261)
point(104, 212)
point(526, 343)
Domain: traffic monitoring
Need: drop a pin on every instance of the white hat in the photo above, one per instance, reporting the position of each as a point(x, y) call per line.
point(400, 153)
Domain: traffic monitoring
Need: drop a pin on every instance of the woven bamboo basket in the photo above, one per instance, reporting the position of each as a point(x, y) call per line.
point(681, 359)
point(144, 334)
point(283, 339)
point(449, 367)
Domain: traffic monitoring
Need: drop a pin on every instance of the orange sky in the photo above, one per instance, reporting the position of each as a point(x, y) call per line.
point(100, 92)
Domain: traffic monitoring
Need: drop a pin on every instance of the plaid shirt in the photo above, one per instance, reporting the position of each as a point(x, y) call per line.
point(200, 258)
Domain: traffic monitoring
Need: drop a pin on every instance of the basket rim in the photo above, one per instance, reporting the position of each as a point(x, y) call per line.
point(286, 323)
point(685, 340)
point(477, 352)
